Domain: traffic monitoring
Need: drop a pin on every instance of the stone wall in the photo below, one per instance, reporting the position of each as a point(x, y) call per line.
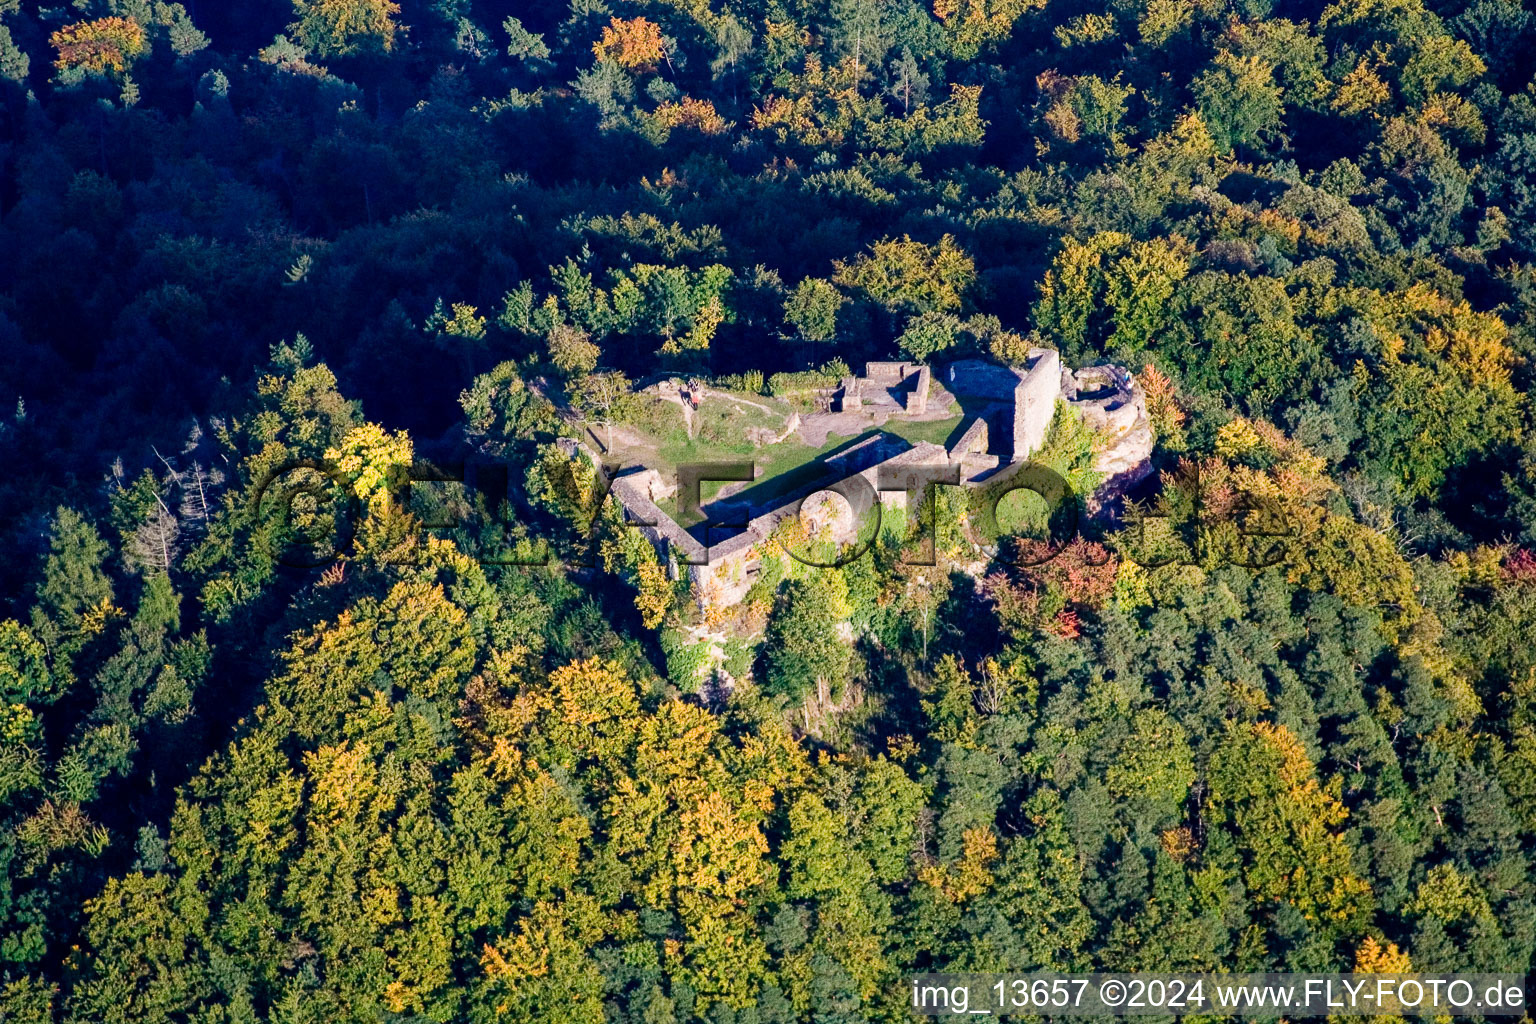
point(917, 398)
point(977, 378)
point(723, 572)
point(732, 564)
point(889, 374)
point(973, 442)
point(892, 479)
point(1118, 413)
point(633, 493)
point(849, 399)
point(1034, 402)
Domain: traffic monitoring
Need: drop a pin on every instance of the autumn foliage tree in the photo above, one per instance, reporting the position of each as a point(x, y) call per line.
point(635, 44)
point(1277, 711)
point(1297, 852)
point(343, 28)
point(903, 275)
point(106, 46)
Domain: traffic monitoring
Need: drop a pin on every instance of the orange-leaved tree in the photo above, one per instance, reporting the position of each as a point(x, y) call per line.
point(101, 47)
point(633, 43)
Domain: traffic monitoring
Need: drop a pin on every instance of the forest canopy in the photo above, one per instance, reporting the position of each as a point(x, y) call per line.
point(301, 722)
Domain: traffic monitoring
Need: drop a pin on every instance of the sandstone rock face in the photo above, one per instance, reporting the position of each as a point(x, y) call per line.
point(828, 513)
point(1111, 402)
point(1124, 465)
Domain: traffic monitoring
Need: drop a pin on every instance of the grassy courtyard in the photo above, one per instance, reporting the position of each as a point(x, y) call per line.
point(655, 434)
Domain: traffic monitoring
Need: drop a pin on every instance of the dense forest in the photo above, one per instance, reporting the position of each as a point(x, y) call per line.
point(257, 257)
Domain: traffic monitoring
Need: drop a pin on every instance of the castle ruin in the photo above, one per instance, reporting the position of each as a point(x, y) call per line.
point(898, 387)
point(1023, 404)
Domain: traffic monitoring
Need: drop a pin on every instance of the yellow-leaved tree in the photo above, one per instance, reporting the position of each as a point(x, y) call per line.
point(1289, 828)
point(971, 873)
point(973, 24)
point(635, 44)
point(343, 28)
point(106, 46)
point(374, 461)
point(906, 276)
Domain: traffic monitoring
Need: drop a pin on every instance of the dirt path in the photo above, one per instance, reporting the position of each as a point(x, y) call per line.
point(706, 392)
point(628, 445)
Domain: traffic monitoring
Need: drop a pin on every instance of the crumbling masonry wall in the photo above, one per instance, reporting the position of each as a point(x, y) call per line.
point(917, 398)
point(1034, 402)
point(889, 374)
point(723, 572)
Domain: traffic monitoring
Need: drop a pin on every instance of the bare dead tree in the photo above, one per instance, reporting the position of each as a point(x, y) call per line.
point(194, 495)
point(166, 462)
point(993, 691)
point(155, 542)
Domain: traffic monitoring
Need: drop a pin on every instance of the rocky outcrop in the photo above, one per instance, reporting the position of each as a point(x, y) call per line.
point(1113, 405)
